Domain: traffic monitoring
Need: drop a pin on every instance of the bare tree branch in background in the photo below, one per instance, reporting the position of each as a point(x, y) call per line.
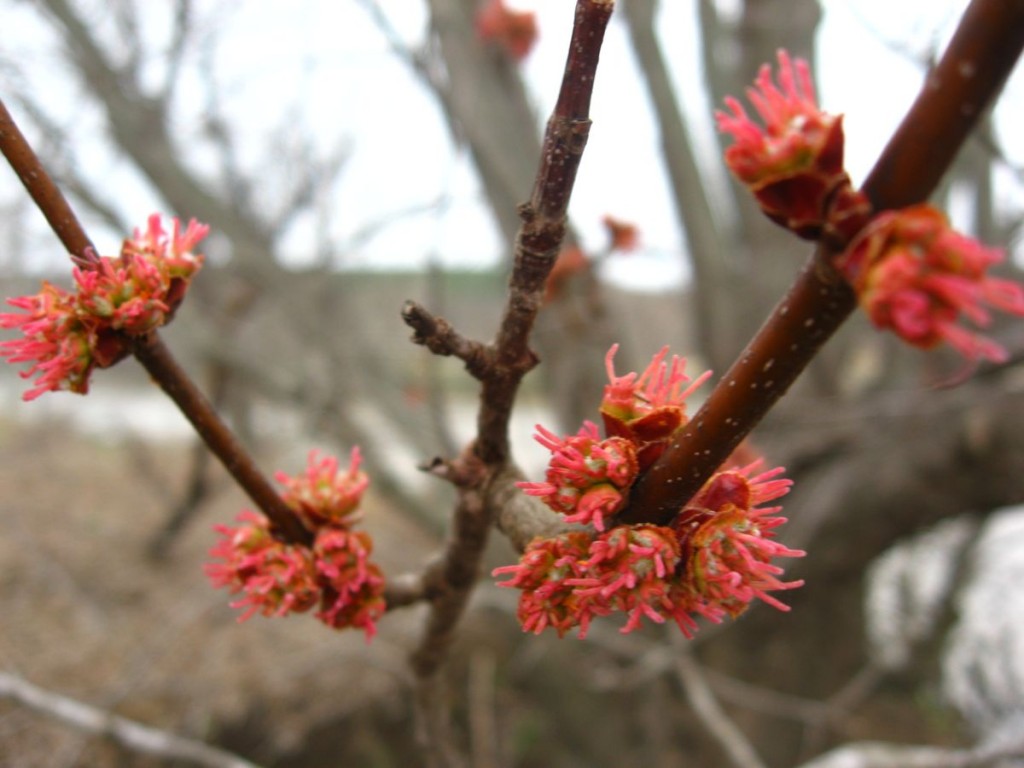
point(128, 733)
point(705, 706)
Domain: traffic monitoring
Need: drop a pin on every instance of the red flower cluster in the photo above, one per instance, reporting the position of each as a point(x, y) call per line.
point(912, 272)
point(712, 560)
point(794, 164)
point(587, 476)
point(917, 276)
point(335, 573)
point(646, 409)
point(65, 335)
point(514, 31)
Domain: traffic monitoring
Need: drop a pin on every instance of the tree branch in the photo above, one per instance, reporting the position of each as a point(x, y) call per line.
point(127, 733)
point(42, 189)
point(506, 360)
point(977, 61)
point(705, 706)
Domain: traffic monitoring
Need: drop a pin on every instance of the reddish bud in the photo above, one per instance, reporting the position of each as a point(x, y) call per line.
point(622, 235)
point(275, 578)
point(513, 31)
point(647, 408)
point(352, 588)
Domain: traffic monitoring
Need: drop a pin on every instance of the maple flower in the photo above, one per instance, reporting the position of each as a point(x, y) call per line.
point(125, 294)
point(53, 339)
point(66, 335)
point(352, 587)
point(794, 163)
point(586, 476)
point(917, 276)
point(630, 569)
point(175, 254)
point(140, 289)
point(712, 561)
point(647, 408)
point(334, 573)
point(275, 578)
point(324, 495)
point(546, 574)
point(728, 541)
point(514, 31)
point(571, 579)
point(622, 235)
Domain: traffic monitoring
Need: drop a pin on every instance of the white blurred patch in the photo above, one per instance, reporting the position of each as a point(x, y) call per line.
point(907, 587)
point(983, 660)
point(983, 667)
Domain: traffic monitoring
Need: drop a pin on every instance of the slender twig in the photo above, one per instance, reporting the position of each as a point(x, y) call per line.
point(149, 350)
point(543, 227)
point(128, 733)
point(438, 335)
point(973, 68)
point(156, 358)
point(42, 189)
point(707, 709)
point(501, 365)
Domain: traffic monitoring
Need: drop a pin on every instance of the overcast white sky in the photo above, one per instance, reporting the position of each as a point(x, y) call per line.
point(330, 62)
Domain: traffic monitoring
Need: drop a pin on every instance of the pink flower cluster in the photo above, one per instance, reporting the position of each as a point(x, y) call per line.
point(587, 477)
point(712, 560)
point(794, 164)
point(912, 272)
point(66, 335)
point(335, 573)
point(917, 276)
point(646, 409)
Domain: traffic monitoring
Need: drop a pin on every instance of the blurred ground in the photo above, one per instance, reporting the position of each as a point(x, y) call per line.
point(87, 614)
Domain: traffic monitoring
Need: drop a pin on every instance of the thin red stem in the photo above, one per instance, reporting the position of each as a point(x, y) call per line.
point(979, 58)
point(158, 361)
point(42, 189)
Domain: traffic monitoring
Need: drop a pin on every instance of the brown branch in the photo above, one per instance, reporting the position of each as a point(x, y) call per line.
point(543, 228)
point(149, 350)
point(521, 518)
point(976, 63)
point(42, 189)
point(479, 469)
point(956, 93)
point(509, 357)
point(438, 335)
point(156, 358)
